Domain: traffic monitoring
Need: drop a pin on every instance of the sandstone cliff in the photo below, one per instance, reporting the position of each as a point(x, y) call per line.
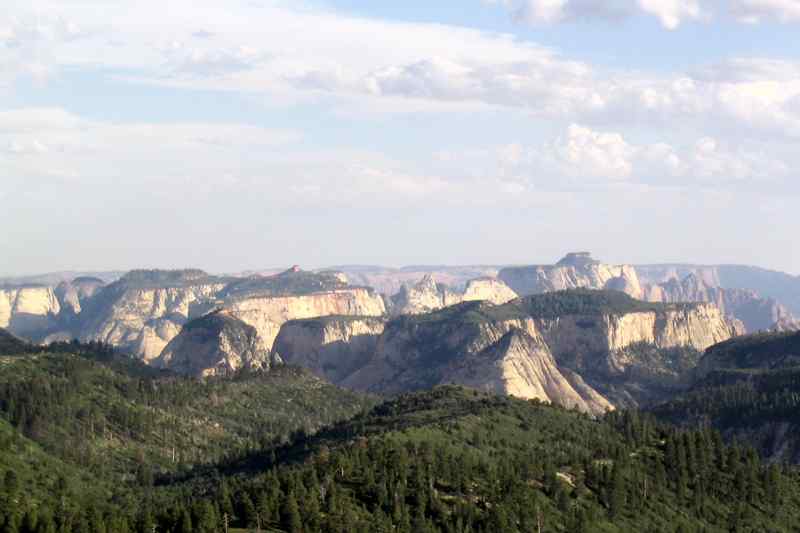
point(427, 295)
point(29, 311)
point(423, 297)
point(522, 366)
point(490, 290)
point(576, 270)
point(389, 281)
point(331, 347)
point(604, 337)
point(266, 303)
point(755, 312)
point(144, 310)
point(668, 284)
point(72, 295)
point(215, 344)
point(268, 313)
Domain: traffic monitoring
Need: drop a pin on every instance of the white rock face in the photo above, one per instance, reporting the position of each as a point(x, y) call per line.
point(268, 313)
point(144, 320)
point(72, 294)
point(755, 312)
point(522, 366)
point(28, 311)
point(489, 290)
point(427, 295)
point(331, 347)
point(575, 271)
point(461, 346)
point(662, 284)
point(423, 297)
point(216, 344)
point(786, 325)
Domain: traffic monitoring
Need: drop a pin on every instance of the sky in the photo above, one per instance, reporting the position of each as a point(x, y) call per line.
point(249, 134)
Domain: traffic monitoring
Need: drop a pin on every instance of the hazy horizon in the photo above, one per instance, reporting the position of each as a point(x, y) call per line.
point(229, 136)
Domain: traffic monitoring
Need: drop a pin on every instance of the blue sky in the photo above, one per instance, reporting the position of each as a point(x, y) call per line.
point(251, 134)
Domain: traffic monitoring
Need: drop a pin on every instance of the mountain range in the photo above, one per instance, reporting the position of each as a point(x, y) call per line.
point(578, 396)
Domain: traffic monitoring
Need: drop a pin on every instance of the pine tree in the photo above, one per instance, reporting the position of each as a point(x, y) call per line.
point(290, 515)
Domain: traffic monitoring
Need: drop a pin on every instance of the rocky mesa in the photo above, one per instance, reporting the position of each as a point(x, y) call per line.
point(268, 303)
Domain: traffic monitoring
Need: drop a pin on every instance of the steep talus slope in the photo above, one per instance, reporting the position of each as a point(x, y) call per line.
point(331, 347)
point(145, 309)
point(215, 344)
point(629, 349)
point(749, 389)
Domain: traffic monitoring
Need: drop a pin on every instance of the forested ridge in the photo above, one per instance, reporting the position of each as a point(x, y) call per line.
point(749, 389)
point(93, 442)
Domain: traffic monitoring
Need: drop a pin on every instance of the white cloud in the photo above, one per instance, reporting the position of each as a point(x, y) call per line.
point(582, 157)
point(355, 65)
point(671, 13)
point(755, 11)
point(586, 153)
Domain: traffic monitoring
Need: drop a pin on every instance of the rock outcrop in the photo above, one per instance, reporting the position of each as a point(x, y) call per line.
point(574, 271)
point(522, 366)
point(215, 344)
point(331, 347)
point(423, 297)
point(755, 312)
point(786, 325)
point(73, 294)
point(144, 310)
point(490, 290)
point(603, 337)
point(268, 303)
point(29, 311)
point(389, 281)
point(668, 284)
point(427, 295)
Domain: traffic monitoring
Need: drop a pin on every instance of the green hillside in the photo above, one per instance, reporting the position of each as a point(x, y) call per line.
point(106, 425)
point(11, 344)
point(91, 441)
point(456, 460)
point(749, 389)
